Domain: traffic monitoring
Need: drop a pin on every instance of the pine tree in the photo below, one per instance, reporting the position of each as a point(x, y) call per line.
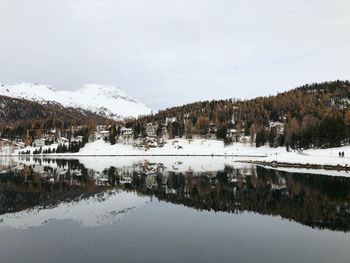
point(113, 134)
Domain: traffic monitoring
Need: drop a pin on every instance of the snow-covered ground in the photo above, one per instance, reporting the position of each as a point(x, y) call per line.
point(196, 147)
point(178, 147)
point(183, 164)
point(314, 156)
point(202, 147)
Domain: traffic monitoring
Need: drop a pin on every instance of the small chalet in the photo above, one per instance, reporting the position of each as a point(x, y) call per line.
point(126, 133)
point(62, 140)
point(104, 134)
point(212, 128)
point(77, 139)
point(278, 125)
point(234, 135)
point(151, 130)
point(39, 142)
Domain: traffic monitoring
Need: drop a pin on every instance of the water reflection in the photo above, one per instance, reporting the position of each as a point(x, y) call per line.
point(35, 191)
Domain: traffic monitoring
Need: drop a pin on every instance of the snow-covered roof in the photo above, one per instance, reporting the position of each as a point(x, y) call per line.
point(275, 123)
point(126, 129)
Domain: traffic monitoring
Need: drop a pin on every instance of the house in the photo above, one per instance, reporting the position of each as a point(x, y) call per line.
point(126, 133)
point(20, 144)
point(169, 120)
point(161, 129)
point(49, 138)
point(77, 139)
point(39, 142)
point(100, 128)
point(212, 128)
point(278, 125)
point(234, 134)
point(62, 140)
point(245, 139)
point(151, 130)
point(103, 134)
point(164, 131)
point(230, 133)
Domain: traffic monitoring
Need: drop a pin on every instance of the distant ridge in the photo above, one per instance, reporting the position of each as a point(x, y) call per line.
point(20, 111)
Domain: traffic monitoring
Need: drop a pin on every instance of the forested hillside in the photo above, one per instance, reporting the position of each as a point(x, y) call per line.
point(18, 115)
point(315, 115)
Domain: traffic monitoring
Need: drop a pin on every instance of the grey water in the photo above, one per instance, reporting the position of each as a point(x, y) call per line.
point(154, 211)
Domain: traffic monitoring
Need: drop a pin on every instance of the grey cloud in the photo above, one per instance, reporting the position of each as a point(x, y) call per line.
point(166, 52)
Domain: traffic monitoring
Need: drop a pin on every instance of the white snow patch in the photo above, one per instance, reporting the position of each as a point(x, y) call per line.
point(178, 147)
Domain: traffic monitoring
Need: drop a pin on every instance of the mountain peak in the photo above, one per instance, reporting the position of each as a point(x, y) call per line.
point(108, 91)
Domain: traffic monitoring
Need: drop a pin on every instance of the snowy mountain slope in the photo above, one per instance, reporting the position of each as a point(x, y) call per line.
point(109, 101)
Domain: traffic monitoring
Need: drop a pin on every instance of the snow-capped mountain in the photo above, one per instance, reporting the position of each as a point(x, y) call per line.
point(108, 101)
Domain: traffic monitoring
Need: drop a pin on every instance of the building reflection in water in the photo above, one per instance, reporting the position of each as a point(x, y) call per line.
point(312, 200)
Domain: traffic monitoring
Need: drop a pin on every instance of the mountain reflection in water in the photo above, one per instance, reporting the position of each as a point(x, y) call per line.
point(43, 184)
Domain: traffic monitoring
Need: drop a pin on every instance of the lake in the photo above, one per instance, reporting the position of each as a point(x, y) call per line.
point(162, 209)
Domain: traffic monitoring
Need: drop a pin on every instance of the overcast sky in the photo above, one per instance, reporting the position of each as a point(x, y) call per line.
point(170, 52)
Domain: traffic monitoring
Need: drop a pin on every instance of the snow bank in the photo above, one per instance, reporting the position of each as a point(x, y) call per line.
point(203, 147)
point(179, 147)
point(313, 157)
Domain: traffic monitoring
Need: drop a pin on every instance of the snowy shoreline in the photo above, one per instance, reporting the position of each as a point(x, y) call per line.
point(273, 157)
point(130, 155)
point(276, 164)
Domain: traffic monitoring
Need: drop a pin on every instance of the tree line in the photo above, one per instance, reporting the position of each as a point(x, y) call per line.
point(314, 115)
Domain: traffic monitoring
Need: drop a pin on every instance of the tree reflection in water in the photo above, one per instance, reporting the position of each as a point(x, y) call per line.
point(313, 200)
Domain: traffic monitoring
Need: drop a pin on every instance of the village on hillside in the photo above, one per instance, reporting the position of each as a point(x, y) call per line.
point(150, 135)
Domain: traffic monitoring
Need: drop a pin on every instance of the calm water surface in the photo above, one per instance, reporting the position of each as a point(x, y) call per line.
point(208, 210)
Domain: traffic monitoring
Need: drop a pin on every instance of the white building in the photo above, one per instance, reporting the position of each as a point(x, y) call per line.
point(169, 120)
point(103, 134)
point(77, 139)
point(278, 125)
point(20, 145)
point(126, 133)
point(151, 130)
point(62, 140)
point(234, 134)
point(39, 142)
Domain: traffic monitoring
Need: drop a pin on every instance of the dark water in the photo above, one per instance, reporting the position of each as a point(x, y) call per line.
point(63, 211)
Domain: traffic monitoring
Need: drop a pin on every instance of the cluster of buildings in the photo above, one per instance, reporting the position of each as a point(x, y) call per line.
point(153, 135)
